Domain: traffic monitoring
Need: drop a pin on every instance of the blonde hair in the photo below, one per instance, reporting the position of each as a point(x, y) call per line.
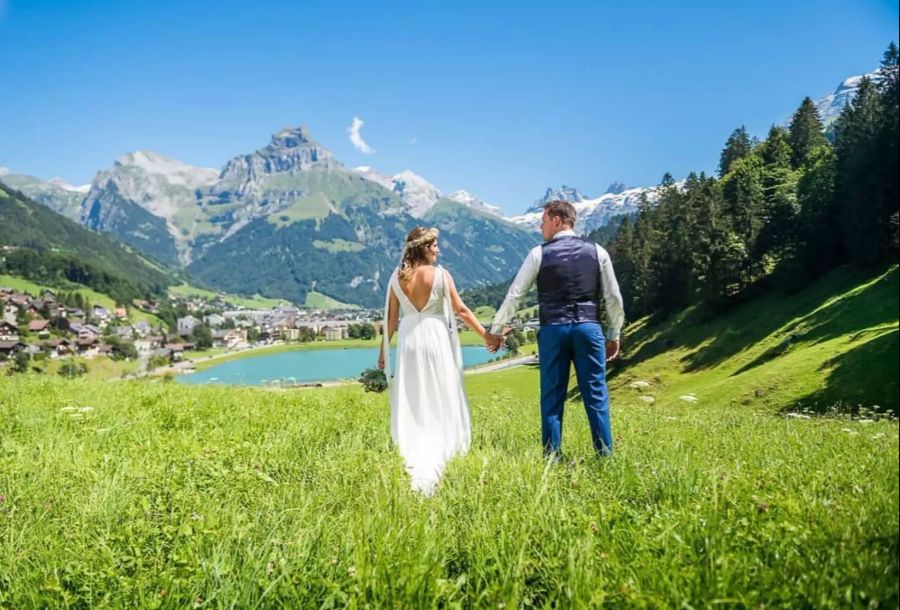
point(417, 242)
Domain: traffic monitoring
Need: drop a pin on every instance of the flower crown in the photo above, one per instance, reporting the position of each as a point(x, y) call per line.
point(427, 237)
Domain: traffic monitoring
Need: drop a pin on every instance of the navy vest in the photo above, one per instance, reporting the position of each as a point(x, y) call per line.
point(568, 281)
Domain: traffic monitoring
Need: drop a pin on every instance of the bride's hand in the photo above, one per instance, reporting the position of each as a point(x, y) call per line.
point(381, 361)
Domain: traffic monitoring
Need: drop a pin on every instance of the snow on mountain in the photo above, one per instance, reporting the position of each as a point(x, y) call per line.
point(830, 106)
point(469, 200)
point(594, 213)
point(60, 183)
point(419, 194)
point(415, 191)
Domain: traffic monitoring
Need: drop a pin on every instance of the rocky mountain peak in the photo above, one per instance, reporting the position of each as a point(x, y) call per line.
point(615, 188)
point(565, 193)
point(293, 137)
point(290, 150)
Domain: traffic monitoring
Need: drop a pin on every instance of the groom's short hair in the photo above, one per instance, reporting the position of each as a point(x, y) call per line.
point(563, 210)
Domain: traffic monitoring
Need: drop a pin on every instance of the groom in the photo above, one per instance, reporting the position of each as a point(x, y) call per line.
point(573, 275)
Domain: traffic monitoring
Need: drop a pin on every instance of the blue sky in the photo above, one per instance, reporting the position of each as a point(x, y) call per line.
point(500, 98)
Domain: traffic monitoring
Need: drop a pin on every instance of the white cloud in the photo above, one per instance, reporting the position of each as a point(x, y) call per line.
point(413, 140)
point(3, 170)
point(356, 139)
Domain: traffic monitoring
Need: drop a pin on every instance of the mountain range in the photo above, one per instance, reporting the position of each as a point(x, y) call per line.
point(284, 220)
point(290, 218)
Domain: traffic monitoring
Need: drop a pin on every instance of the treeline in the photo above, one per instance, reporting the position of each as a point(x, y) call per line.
point(788, 208)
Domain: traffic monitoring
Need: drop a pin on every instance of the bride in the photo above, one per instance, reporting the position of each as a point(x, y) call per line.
point(429, 409)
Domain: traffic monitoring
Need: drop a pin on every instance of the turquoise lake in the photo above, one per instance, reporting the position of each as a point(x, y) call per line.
point(304, 366)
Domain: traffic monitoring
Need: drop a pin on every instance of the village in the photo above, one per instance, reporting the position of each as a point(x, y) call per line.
point(54, 325)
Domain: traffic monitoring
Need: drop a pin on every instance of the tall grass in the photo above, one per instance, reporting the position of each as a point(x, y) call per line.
point(143, 494)
point(725, 490)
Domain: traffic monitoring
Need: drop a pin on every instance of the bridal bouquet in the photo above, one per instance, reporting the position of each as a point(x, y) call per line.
point(373, 380)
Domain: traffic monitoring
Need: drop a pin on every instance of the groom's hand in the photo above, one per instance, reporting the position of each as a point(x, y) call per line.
point(492, 342)
point(495, 342)
point(612, 350)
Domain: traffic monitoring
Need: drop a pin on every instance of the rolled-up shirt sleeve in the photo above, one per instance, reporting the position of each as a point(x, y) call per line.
point(615, 309)
point(520, 286)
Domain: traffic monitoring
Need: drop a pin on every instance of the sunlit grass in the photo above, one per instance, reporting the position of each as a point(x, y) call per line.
point(725, 490)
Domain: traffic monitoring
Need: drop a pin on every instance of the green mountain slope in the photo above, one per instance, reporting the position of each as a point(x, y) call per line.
point(64, 246)
point(132, 224)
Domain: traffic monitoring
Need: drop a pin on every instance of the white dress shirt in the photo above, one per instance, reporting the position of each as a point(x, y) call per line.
point(528, 272)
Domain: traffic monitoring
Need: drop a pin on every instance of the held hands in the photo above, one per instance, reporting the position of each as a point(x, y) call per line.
point(493, 342)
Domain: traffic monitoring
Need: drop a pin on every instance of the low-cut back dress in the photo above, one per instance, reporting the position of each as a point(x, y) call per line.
point(430, 421)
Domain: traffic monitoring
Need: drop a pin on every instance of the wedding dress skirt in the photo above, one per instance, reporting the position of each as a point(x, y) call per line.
point(429, 411)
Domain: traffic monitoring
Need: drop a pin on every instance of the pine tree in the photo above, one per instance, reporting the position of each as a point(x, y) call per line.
point(866, 230)
point(820, 233)
point(644, 279)
point(805, 132)
point(776, 150)
point(620, 249)
point(738, 146)
point(779, 208)
point(672, 255)
point(888, 158)
point(744, 205)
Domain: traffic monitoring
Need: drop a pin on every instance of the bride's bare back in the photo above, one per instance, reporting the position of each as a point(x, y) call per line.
point(419, 285)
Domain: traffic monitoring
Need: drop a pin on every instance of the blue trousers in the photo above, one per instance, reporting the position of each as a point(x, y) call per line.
point(583, 344)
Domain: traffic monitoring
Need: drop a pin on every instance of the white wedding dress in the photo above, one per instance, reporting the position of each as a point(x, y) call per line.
point(429, 411)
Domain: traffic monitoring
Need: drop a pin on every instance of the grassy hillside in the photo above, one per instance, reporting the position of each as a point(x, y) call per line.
point(254, 302)
point(831, 346)
point(317, 300)
point(151, 494)
point(32, 226)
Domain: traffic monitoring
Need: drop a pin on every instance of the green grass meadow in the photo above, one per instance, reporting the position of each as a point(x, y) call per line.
point(750, 472)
